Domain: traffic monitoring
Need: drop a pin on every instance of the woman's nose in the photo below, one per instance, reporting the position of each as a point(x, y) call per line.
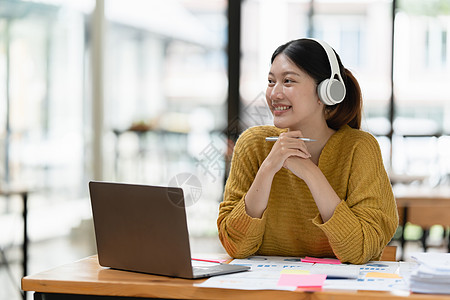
point(277, 92)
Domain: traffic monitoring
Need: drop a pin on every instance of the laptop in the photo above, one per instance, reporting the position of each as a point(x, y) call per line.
point(143, 228)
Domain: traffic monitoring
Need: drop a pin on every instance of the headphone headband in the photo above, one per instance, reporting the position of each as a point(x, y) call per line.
point(331, 91)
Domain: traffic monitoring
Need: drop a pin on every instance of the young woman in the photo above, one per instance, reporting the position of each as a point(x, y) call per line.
point(324, 198)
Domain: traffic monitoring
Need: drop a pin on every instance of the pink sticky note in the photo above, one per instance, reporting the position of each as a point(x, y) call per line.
point(308, 259)
point(302, 280)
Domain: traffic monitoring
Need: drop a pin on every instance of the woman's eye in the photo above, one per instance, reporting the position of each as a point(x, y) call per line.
point(270, 82)
point(288, 81)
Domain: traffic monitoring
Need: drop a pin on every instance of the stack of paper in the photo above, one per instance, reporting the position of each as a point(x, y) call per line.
point(432, 274)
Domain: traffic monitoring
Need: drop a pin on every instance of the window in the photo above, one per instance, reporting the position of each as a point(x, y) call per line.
point(421, 97)
point(169, 77)
point(165, 98)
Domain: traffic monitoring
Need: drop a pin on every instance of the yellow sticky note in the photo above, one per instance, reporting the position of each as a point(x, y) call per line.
point(290, 271)
point(382, 275)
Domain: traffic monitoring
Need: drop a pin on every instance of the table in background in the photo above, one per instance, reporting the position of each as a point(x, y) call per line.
point(87, 277)
point(7, 192)
point(423, 207)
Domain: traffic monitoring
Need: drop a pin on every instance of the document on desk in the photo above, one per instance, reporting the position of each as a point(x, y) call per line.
point(374, 276)
point(267, 272)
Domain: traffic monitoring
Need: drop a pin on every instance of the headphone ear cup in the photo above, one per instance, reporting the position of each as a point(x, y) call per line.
point(322, 92)
point(331, 91)
point(336, 91)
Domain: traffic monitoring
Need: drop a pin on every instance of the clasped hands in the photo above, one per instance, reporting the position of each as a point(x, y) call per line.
point(291, 153)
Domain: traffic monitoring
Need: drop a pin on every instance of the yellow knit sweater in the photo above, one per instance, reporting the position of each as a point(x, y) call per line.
point(361, 226)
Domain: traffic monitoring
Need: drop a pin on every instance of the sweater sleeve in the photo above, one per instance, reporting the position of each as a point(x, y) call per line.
point(366, 220)
point(240, 234)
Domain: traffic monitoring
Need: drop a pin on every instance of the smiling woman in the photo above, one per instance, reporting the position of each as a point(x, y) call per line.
point(291, 95)
point(330, 197)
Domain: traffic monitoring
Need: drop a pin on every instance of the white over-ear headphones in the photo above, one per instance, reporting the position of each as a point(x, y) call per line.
point(331, 91)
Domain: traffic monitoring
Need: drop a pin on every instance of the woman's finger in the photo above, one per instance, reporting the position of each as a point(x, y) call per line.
point(293, 143)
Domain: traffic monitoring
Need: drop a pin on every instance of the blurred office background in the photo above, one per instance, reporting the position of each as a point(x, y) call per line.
point(153, 92)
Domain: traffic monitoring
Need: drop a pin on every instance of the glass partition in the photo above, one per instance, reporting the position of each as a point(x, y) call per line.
point(165, 99)
point(422, 71)
point(42, 67)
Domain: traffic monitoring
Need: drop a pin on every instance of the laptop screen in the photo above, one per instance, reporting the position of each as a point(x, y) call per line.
point(141, 228)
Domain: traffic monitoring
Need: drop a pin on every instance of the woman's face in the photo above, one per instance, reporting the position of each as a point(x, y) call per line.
point(292, 95)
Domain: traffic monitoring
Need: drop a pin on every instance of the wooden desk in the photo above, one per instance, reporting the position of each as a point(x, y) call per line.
point(424, 208)
point(86, 277)
point(425, 211)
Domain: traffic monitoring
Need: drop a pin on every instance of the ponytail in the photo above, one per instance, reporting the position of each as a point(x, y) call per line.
point(349, 110)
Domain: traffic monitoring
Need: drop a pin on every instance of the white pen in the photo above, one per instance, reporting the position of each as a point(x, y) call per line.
point(275, 138)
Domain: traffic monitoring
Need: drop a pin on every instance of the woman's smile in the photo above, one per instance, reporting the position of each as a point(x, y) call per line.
point(279, 110)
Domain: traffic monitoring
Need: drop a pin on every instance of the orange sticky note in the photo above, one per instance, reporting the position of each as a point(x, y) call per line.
point(382, 275)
